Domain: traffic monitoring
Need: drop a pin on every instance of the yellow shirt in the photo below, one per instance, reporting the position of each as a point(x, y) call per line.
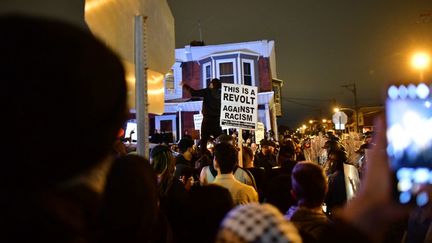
point(240, 193)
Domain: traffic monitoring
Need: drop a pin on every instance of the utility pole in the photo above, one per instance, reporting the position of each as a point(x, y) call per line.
point(352, 87)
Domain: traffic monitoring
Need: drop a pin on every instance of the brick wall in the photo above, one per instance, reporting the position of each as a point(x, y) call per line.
point(188, 124)
point(191, 75)
point(265, 79)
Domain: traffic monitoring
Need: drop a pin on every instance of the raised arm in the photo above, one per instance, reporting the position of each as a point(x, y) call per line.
point(193, 92)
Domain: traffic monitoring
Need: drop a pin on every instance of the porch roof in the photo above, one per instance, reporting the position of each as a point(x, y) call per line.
point(172, 107)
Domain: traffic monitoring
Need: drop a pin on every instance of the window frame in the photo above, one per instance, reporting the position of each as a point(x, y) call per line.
point(233, 61)
point(204, 73)
point(251, 62)
point(171, 81)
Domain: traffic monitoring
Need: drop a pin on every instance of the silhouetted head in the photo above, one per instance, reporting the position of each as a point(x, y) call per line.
point(248, 157)
point(130, 201)
point(64, 95)
point(184, 144)
point(216, 202)
point(162, 160)
point(226, 156)
point(309, 184)
point(216, 83)
point(225, 138)
point(336, 159)
point(287, 151)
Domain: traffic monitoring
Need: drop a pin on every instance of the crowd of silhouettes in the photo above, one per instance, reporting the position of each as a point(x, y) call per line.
point(86, 188)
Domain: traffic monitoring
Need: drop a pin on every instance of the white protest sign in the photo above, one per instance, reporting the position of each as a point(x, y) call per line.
point(239, 106)
point(197, 121)
point(259, 132)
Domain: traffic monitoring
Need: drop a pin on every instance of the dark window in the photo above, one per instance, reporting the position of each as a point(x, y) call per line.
point(226, 72)
point(247, 74)
point(207, 74)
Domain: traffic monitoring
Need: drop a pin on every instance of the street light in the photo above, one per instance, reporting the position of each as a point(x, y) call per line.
point(420, 61)
point(302, 129)
point(317, 125)
point(337, 109)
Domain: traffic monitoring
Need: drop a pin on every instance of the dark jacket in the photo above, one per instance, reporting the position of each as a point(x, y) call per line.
point(309, 221)
point(212, 100)
point(336, 194)
point(180, 159)
point(266, 161)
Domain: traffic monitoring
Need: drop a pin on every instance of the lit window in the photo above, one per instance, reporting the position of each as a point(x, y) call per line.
point(169, 82)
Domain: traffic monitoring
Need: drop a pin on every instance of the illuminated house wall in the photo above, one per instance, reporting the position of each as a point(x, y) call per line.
point(249, 63)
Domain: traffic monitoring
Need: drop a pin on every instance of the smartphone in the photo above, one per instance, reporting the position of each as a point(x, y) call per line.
point(409, 140)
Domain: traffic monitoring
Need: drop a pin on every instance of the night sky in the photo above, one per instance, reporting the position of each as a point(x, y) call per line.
point(320, 45)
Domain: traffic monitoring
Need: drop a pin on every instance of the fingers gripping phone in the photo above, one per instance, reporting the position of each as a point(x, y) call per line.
point(409, 140)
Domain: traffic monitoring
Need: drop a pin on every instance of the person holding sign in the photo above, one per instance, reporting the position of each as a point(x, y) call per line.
point(210, 109)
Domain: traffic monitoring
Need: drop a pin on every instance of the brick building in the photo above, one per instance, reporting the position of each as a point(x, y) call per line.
point(248, 63)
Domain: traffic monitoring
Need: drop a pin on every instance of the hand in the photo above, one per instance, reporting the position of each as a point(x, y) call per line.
point(373, 209)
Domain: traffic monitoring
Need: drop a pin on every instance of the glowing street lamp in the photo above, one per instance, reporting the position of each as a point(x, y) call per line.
point(420, 61)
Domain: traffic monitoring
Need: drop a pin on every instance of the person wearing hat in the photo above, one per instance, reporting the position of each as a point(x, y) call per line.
point(266, 158)
point(210, 109)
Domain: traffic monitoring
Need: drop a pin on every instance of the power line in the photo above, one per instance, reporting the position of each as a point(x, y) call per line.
point(311, 99)
point(299, 103)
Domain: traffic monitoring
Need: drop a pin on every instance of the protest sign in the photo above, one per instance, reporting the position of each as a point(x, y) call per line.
point(239, 106)
point(197, 121)
point(259, 132)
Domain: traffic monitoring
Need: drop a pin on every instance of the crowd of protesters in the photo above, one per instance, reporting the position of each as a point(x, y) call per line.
point(86, 188)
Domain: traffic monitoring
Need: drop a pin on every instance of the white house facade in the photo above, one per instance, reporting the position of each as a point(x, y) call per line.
point(247, 63)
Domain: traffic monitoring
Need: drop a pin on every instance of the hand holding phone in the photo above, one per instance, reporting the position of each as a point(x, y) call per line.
point(409, 140)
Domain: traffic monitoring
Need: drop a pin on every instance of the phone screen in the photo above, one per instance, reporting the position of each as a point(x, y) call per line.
point(409, 140)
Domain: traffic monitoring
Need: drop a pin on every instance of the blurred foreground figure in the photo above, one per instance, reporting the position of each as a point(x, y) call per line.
point(256, 223)
point(130, 211)
point(64, 96)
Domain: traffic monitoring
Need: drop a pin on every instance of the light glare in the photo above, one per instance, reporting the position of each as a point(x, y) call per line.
point(420, 60)
point(393, 92)
point(403, 91)
point(422, 91)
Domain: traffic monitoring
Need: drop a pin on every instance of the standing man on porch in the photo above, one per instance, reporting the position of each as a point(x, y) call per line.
point(210, 109)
